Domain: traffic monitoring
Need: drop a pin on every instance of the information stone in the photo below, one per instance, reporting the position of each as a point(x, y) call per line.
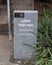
point(25, 22)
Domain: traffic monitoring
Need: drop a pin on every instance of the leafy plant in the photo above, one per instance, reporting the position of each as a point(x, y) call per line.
point(43, 47)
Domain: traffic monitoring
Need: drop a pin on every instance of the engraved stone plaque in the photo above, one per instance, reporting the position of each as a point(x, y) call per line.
point(24, 22)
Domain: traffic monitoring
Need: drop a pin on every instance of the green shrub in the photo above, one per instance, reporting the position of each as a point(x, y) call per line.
point(43, 48)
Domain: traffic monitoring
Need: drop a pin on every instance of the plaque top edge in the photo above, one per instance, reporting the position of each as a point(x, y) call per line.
point(26, 11)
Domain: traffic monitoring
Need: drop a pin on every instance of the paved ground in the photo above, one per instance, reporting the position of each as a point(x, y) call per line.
point(5, 48)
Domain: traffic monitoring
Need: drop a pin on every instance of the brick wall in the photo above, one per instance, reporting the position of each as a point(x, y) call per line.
point(23, 4)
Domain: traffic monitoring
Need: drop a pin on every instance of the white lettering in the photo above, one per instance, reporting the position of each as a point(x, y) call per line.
point(25, 25)
point(25, 21)
point(21, 25)
point(29, 25)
